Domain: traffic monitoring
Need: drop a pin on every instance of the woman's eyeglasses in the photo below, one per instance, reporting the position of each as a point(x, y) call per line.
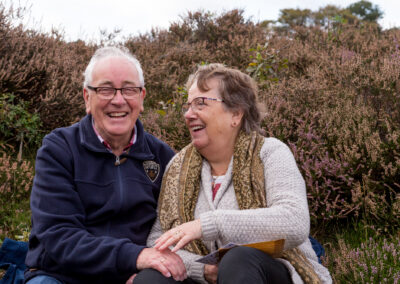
point(198, 104)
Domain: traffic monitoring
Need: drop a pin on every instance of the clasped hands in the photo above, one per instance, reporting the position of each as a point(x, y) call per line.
point(161, 258)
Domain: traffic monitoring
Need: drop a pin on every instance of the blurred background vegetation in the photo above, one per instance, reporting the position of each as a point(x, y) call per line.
point(330, 83)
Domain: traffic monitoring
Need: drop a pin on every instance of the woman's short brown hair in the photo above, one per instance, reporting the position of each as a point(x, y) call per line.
point(237, 90)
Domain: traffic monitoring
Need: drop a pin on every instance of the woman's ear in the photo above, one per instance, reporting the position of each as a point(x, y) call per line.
point(237, 116)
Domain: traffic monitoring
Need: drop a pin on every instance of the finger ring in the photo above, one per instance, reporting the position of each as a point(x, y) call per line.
point(178, 232)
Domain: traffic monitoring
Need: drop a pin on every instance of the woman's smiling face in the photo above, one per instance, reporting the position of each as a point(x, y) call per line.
point(211, 128)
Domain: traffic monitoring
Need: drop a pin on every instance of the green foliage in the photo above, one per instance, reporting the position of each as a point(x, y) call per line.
point(18, 124)
point(365, 11)
point(16, 221)
point(266, 66)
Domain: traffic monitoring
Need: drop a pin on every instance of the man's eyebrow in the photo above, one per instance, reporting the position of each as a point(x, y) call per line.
point(127, 82)
point(105, 83)
point(130, 82)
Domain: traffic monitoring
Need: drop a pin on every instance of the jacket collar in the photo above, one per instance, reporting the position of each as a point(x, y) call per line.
point(88, 138)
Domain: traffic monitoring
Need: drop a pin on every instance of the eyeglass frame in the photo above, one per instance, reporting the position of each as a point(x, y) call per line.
point(186, 106)
point(115, 92)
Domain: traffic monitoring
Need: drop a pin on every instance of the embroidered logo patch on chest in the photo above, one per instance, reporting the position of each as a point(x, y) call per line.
point(152, 170)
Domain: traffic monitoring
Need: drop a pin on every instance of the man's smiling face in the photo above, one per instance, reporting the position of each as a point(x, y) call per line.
point(114, 119)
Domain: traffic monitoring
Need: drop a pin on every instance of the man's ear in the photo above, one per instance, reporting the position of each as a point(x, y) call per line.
point(142, 96)
point(86, 97)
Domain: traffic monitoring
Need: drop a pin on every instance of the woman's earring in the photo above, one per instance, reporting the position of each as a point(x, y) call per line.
point(234, 124)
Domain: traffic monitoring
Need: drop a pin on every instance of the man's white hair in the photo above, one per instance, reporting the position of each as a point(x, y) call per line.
point(111, 51)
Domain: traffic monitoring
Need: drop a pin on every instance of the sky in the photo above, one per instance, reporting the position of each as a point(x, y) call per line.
point(83, 19)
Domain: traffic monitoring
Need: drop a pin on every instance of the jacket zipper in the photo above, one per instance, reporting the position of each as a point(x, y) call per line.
point(118, 162)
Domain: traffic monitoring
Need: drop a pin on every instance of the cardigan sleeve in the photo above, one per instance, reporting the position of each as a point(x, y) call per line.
point(286, 216)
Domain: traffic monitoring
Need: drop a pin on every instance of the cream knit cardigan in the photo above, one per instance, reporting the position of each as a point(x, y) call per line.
point(286, 216)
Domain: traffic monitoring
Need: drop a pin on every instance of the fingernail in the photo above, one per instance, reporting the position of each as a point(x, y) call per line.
point(168, 274)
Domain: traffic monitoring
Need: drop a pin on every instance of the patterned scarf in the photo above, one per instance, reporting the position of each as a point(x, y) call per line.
point(181, 185)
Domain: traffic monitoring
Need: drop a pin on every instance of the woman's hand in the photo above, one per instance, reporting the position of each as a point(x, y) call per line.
point(211, 273)
point(179, 236)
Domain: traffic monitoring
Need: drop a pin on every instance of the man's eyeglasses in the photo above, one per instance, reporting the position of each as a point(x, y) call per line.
point(108, 93)
point(197, 104)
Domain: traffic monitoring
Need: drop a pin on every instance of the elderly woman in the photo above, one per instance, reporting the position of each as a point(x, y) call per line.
point(232, 185)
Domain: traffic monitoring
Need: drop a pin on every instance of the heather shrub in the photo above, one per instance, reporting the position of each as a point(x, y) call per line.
point(167, 122)
point(372, 261)
point(42, 69)
point(331, 92)
point(15, 185)
point(336, 105)
point(169, 56)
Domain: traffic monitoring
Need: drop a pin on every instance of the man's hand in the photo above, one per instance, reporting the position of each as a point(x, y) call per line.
point(130, 280)
point(165, 261)
point(211, 273)
point(179, 236)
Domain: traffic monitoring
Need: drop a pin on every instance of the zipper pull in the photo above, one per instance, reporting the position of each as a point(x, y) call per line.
point(119, 161)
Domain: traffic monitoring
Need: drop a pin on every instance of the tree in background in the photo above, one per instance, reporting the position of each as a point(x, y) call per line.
point(365, 11)
point(295, 17)
point(329, 14)
point(358, 11)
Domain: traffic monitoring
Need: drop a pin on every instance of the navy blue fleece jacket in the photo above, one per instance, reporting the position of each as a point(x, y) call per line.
point(91, 216)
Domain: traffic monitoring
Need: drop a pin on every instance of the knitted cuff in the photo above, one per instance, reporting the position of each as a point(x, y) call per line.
point(196, 272)
point(208, 226)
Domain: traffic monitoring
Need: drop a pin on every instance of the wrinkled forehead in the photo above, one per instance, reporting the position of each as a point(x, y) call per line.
point(205, 84)
point(209, 88)
point(114, 68)
point(116, 62)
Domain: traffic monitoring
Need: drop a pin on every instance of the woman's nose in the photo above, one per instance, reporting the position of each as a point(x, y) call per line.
point(189, 113)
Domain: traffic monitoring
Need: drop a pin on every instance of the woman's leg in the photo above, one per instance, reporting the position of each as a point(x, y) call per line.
point(250, 265)
point(147, 276)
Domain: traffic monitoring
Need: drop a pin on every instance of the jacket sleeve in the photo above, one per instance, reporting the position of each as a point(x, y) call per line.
point(58, 218)
point(286, 216)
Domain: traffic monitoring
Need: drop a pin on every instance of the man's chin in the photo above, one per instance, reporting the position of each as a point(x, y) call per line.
point(119, 132)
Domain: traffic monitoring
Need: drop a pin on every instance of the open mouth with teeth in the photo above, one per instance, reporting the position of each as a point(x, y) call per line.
point(197, 128)
point(117, 114)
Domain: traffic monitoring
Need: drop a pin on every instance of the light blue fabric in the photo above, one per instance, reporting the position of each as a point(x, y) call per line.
point(43, 279)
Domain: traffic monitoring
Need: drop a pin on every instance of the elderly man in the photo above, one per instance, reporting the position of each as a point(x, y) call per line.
point(96, 186)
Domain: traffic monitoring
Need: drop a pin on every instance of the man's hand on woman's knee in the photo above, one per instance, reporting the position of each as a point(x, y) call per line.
point(165, 261)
